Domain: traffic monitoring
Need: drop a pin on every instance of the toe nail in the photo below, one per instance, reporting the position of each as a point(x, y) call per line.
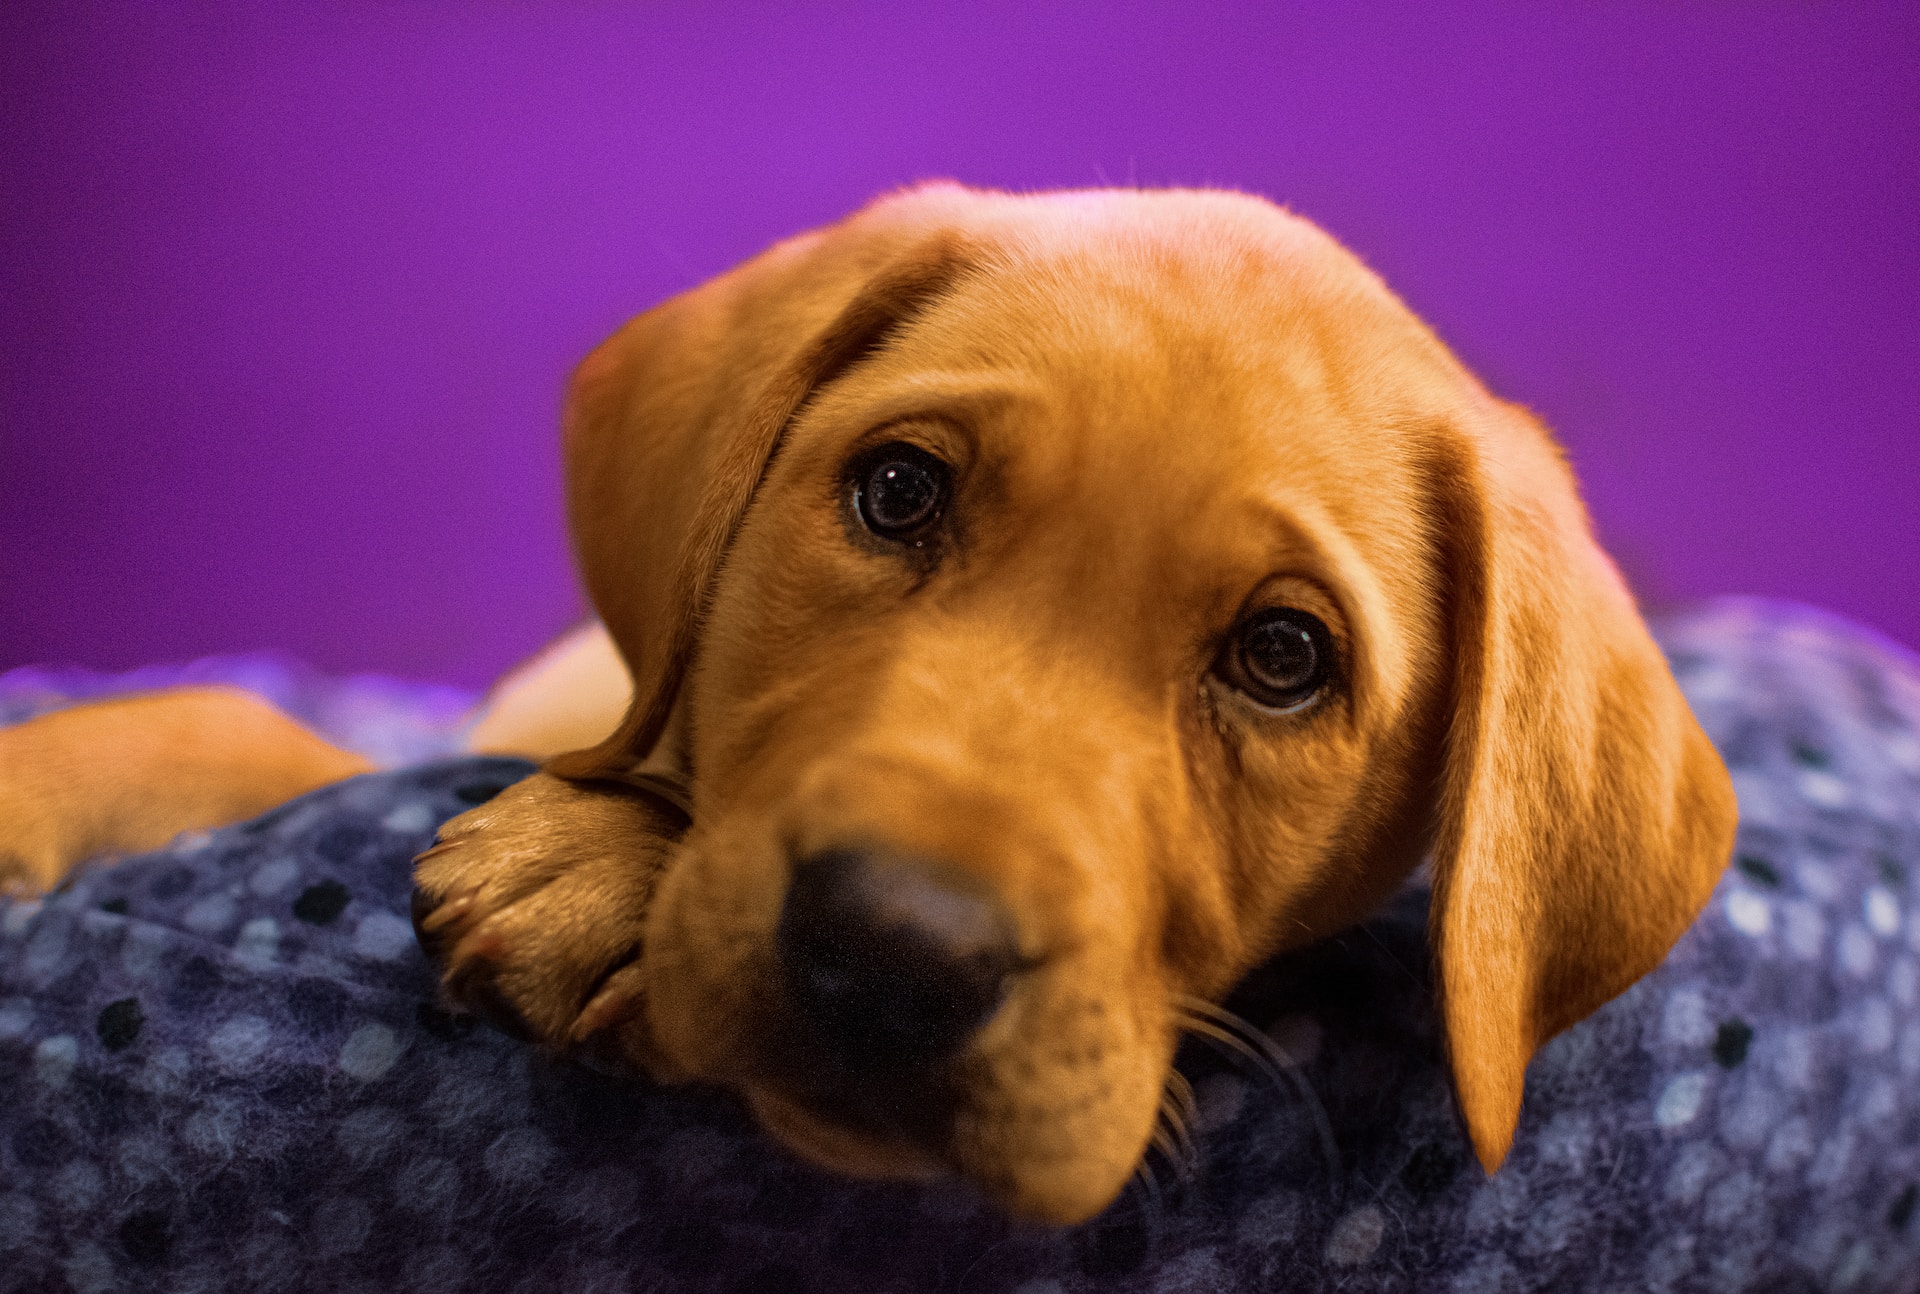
point(484, 945)
point(447, 913)
point(617, 999)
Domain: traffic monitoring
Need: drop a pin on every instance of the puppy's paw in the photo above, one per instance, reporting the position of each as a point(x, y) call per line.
point(533, 906)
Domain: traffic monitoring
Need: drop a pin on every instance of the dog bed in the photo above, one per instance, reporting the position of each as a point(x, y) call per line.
point(225, 1068)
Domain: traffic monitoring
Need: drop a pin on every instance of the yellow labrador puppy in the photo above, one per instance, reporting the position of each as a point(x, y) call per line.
point(1035, 611)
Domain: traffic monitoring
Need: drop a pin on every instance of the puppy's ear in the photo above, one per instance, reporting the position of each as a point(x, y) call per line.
point(671, 423)
point(1584, 816)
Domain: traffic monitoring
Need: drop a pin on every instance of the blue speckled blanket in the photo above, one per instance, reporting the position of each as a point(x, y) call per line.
point(225, 1069)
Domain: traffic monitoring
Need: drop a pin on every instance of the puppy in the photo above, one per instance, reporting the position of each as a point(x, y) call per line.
point(1037, 611)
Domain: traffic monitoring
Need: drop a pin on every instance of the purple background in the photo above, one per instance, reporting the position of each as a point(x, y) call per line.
point(288, 293)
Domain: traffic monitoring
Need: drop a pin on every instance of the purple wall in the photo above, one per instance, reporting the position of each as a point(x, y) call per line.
point(287, 293)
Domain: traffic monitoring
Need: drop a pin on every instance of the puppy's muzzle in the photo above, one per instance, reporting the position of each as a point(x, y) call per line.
point(889, 964)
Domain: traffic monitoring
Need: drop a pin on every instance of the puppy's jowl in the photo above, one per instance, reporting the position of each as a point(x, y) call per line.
point(1038, 611)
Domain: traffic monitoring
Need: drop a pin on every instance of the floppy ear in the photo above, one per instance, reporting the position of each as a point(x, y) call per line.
point(671, 423)
point(1584, 816)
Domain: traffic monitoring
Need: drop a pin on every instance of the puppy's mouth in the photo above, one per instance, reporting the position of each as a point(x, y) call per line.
point(892, 1013)
point(885, 975)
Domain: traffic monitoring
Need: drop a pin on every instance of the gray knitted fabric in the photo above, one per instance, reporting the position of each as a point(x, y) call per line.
point(225, 1070)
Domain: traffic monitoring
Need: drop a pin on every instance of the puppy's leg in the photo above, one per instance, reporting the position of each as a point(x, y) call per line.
point(130, 774)
point(568, 697)
point(534, 904)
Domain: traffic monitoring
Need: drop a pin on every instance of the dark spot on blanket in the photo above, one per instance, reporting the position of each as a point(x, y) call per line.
point(478, 792)
point(1730, 1043)
point(1756, 868)
point(147, 1236)
point(118, 907)
point(1890, 869)
point(444, 1025)
point(119, 1024)
point(320, 903)
point(41, 1144)
point(1429, 1171)
point(1810, 755)
point(1902, 1211)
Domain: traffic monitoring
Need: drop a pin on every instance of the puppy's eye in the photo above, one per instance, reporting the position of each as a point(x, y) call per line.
point(1280, 658)
point(900, 490)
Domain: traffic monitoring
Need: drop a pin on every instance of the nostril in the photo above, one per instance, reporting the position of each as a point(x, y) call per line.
point(889, 965)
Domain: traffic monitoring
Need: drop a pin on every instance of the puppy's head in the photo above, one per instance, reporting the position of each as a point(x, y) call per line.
point(1058, 605)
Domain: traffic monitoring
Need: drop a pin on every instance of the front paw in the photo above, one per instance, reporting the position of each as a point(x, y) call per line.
point(533, 908)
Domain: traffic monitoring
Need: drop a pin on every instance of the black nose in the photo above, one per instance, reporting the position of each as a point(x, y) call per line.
point(889, 966)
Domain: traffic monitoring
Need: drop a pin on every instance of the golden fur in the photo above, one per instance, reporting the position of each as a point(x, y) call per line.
point(1160, 410)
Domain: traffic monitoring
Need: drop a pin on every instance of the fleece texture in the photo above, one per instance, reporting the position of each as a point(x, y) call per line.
point(224, 1068)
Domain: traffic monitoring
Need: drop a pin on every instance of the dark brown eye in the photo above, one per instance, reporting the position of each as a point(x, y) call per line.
point(900, 490)
point(1280, 658)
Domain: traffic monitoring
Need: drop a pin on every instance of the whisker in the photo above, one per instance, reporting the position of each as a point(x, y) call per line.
point(1174, 1144)
point(1152, 1204)
point(1233, 1034)
point(1165, 1141)
point(1182, 1114)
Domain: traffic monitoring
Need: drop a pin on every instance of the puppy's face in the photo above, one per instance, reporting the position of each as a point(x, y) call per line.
point(1114, 618)
point(1094, 600)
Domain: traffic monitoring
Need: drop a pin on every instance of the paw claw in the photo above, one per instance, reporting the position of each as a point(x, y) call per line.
point(435, 920)
point(452, 910)
point(618, 999)
point(486, 944)
point(421, 908)
point(469, 983)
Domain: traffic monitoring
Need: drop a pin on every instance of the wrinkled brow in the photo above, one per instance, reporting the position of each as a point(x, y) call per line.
point(958, 397)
